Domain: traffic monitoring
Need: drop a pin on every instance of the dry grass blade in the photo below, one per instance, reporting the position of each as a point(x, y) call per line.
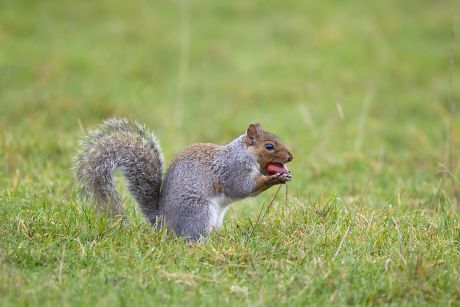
point(367, 185)
point(266, 212)
point(341, 243)
point(399, 241)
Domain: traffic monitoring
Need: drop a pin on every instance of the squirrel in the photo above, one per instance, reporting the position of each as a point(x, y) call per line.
point(199, 184)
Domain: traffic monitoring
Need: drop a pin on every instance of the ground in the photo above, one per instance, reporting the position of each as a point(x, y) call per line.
point(365, 94)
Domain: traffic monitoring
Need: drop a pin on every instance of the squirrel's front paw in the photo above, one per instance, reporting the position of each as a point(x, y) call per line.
point(279, 178)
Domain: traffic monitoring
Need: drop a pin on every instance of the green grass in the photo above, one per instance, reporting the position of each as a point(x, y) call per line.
point(347, 85)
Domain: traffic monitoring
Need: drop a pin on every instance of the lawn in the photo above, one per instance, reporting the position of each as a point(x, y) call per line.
point(365, 94)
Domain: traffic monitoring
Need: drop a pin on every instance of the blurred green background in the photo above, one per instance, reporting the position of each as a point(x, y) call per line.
point(346, 85)
point(341, 83)
point(336, 81)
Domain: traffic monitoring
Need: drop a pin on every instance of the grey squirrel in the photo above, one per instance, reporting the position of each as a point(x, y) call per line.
point(198, 186)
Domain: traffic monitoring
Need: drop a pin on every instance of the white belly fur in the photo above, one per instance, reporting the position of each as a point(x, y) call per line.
point(217, 207)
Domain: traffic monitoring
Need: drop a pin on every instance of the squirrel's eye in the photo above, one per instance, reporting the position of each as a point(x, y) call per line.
point(269, 146)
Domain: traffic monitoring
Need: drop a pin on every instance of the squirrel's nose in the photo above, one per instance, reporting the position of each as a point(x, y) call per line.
point(290, 157)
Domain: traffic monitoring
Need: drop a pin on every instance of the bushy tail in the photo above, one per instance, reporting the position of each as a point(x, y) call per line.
point(130, 147)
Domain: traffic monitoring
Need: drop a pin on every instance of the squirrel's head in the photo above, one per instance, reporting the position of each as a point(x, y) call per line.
point(266, 147)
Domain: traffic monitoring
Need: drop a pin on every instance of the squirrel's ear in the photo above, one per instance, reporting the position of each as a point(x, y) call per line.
point(252, 133)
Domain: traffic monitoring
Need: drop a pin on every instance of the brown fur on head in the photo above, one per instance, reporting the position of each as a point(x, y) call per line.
point(266, 147)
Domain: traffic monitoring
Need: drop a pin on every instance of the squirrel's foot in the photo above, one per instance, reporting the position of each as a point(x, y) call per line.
point(279, 178)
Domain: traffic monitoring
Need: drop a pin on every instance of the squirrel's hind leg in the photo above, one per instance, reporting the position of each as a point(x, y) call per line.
point(190, 220)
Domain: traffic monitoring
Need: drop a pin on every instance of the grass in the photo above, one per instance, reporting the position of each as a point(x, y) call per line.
point(350, 86)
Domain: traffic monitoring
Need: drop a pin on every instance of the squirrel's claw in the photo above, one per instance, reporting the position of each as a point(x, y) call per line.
point(279, 178)
point(286, 177)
